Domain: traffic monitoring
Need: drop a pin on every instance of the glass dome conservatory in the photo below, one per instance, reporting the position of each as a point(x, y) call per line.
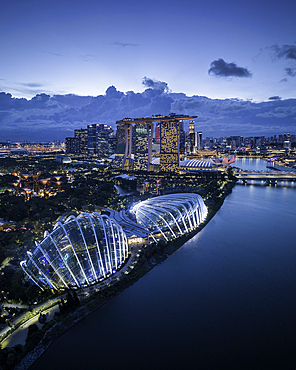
point(78, 252)
point(168, 216)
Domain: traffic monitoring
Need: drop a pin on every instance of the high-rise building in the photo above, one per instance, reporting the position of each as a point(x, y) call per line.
point(98, 136)
point(92, 138)
point(138, 141)
point(182, 137)
point(104, 147)
point(191, 135)
point(81, 135)
point(78, 143)
point(198, 140)
point(72, 145)
point(143, 145)
point(169, 146)
point(191, 127)
point(120, 138)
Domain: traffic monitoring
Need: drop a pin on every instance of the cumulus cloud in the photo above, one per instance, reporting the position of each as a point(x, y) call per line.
point(276, 97)
point(220, 68)
point(155, 84)
point(285, 51)
point(46, 117)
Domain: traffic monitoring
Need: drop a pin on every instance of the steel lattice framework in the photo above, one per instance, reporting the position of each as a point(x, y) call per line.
point(78, 252)
point(171, 215)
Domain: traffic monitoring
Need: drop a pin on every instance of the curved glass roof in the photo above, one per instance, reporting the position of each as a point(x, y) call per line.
point(78, 252)
point(168, 216)
point(84, 249)
point(196, 163)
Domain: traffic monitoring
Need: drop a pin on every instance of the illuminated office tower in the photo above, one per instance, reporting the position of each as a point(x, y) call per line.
point(169, 146)
point(92, 137)
point(182, 137)
point(198, 140)
point(72, 145)
point(81, 135)
point(142, 145)
point(78, 143)
point(103, 140)
point(138, 140)
point(191, 127)
point(191, 135)
point(98, 139)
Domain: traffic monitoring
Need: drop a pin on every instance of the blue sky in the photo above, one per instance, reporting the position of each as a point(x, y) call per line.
point(83, 47)
point(218, 49)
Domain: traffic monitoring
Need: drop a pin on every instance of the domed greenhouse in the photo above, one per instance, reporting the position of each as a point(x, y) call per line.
point(171, 215)
point(78, 252)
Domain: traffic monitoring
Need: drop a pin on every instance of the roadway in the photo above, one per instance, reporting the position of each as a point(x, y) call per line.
point(265, 175)
point(19, 335)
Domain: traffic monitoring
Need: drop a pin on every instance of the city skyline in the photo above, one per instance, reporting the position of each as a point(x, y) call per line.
point(64, 65)
point(53, 118)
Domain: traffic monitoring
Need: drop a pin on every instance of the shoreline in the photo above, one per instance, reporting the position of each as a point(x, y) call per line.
point(100, 297)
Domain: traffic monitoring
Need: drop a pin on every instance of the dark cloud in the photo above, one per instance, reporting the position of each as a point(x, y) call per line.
point(220, 68)
point(284, 80)
point(276, 97)
point(291, 72)
point(155, 84)
point(45, 117)
point(112, 93)
point(123, 44)
point(285, 51)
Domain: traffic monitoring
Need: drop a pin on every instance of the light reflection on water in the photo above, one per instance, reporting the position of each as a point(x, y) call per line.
point(225, 299)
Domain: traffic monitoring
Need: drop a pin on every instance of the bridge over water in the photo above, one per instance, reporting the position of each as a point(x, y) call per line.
point(267, 177)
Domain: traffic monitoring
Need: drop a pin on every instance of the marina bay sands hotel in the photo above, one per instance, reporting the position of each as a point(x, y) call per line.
point(134, 142)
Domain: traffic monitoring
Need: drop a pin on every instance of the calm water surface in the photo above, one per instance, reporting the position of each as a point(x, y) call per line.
point(224, 300)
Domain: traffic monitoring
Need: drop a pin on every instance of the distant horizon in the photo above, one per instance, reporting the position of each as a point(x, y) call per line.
point(53, 118)
point(52, 94)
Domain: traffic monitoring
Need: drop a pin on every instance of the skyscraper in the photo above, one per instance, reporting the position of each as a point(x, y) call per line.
point(81, 135)
point(104, 134)
point(198, 140)
point(191, 135)
point(92, 138)
point(98, 139)
point(169, 146)
point(138, 141)
point(143, 145)
point(182, 137)
point(78, 143)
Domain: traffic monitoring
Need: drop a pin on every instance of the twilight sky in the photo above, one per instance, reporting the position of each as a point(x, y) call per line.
point(215, 49)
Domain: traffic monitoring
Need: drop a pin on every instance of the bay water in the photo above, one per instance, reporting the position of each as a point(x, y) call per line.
point(225, 300)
